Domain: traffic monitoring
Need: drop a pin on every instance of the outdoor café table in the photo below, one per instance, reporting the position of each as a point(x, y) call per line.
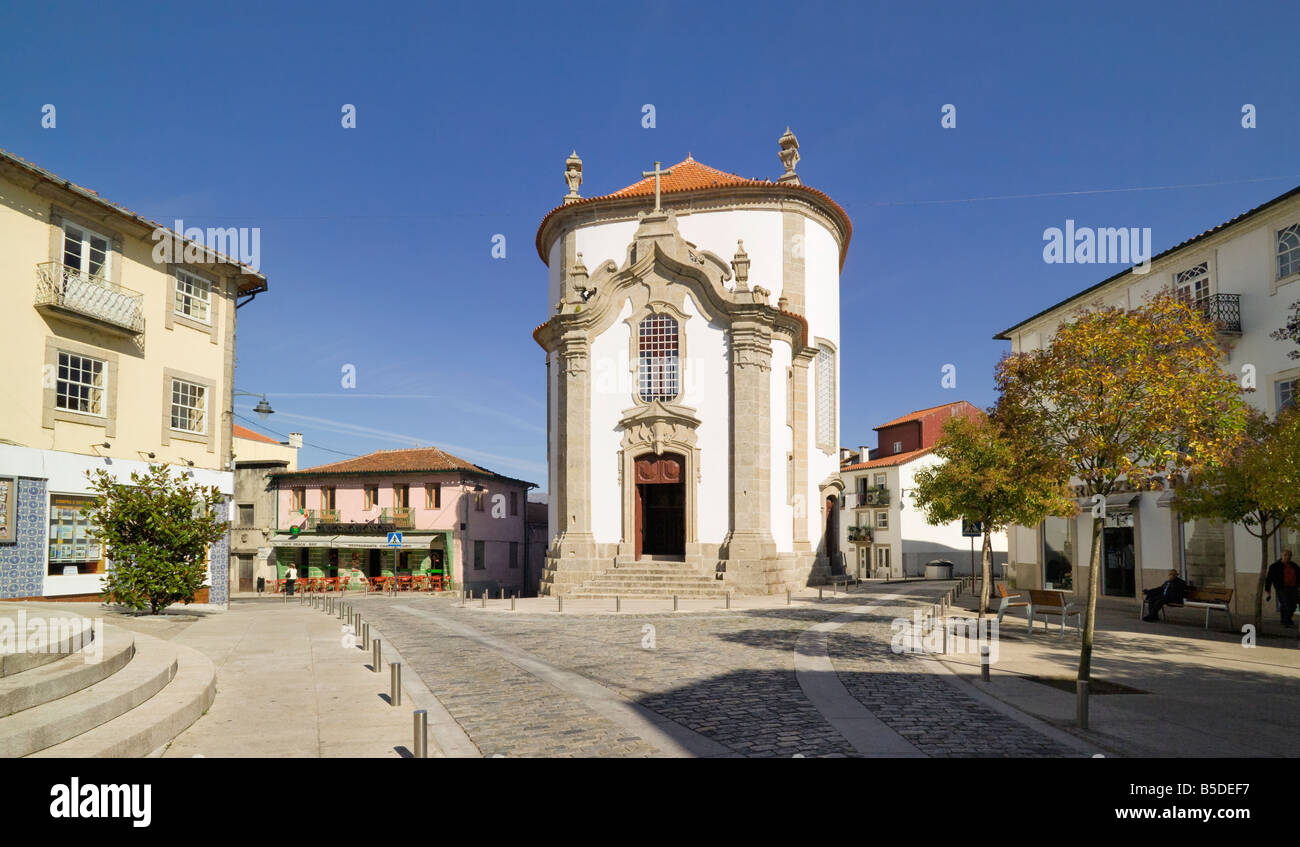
point(403, 583)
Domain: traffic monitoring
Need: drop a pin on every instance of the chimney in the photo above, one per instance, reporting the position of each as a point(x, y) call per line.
point(864, 453)
point(295, 440)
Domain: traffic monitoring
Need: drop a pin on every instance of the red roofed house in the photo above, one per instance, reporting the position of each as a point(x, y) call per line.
point(886, 535)
point(456, 520)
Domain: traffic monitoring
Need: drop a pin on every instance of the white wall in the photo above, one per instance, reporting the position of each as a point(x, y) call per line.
point(761, 231)
point(611, 393)
point(708, 391)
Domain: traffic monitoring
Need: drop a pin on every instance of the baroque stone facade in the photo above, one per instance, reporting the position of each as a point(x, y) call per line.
point(727, 406)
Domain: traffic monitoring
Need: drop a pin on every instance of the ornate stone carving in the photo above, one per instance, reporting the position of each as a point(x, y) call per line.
point(789, 157)
point(740, 264)
point(573, 176)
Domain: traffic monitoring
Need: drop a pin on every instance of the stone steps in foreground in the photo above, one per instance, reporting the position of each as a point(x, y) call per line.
point(151, 668)
point(147, 729)
point(66, 675)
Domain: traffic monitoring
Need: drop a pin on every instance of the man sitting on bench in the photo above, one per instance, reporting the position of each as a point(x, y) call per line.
point(1171, 592)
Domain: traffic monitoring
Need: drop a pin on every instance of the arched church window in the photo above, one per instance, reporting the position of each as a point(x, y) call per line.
point(825, 398)
point(657, 358)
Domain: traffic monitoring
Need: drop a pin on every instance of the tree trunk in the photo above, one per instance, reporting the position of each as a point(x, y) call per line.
point(1264, 536)
point(986, 574)
point(1090, 614)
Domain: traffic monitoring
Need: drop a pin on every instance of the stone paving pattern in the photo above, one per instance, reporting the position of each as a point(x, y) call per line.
point(728, 676)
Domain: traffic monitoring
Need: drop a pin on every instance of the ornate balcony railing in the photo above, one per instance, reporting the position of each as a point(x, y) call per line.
point(402, 517)
point(1223, 310)
point(71, 290)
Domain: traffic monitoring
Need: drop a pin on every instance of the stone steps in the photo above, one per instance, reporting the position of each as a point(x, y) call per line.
point(602, 594)
point(67, 643)
point(66, 675)
point(147, 729)
point(140, 694)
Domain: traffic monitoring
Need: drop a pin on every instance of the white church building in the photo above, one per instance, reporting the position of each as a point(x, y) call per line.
point(693, 400)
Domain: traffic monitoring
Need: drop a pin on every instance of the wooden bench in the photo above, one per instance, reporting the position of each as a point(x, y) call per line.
point(1209, 599)
point(1008, 601)
point(1052, 603)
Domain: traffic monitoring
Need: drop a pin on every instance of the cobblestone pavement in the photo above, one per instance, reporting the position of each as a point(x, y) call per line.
point(728, 676)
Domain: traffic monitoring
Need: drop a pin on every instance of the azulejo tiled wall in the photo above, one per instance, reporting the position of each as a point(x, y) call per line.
point(22, 565)
point(219, 564)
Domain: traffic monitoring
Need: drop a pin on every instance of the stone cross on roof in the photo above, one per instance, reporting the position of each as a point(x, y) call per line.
point(656, 173)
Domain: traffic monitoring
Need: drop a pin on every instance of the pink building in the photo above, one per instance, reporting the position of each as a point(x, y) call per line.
point(454, 518)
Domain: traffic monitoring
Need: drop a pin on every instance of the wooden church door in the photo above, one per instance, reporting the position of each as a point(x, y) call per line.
point(660, 505)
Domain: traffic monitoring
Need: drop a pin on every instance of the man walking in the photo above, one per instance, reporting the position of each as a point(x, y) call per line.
point(1171, 592)
point(290, 577)
point(1284, 575)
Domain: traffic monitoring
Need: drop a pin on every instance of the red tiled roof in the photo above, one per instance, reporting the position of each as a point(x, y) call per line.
point(689, 175)
point(888, 461)
point(245, 432)
point(406, 460)
point(920, 413)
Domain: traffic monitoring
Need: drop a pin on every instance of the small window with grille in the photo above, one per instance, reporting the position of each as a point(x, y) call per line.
point(657, 358)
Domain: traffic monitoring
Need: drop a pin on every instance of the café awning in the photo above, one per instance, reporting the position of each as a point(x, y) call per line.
point(359, 542)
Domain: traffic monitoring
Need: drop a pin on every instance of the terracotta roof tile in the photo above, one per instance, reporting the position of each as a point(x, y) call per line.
point(245, 432)
point(406, 460)
point(920, 413)
point(888, 461)
point(689, 175)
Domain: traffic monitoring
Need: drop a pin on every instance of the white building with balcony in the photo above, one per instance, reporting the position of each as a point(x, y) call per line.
point(1245, 275)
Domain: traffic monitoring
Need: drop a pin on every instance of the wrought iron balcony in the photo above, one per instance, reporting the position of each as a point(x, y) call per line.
point(1223, 310)
point(78, 295)
point(402, 517)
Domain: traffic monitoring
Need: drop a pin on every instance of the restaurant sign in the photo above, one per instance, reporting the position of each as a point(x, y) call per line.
point(355, 528)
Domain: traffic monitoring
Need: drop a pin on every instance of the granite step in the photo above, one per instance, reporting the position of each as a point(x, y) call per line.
point(147, 729)
point(67, 674)
point(150, 669)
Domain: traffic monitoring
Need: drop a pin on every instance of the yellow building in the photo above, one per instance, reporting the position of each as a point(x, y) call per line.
point(118, 350)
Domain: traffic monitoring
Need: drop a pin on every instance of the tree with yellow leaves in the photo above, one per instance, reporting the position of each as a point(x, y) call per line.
point(1119, 398)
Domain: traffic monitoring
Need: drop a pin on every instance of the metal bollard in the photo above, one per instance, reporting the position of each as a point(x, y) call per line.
point(943, 624)
point(484, 598)
point(984, 662)
point(728, 599)
point(376, 654)
point(1081, 695)
point(674, 602)
point(819, 593)
point(365, 636)
point(421, 734)
point(787, 597)
point(561, 604)
point(395, 684)
point(618, 604)
point(513, 598)
point(503, 594)
point(462, 597)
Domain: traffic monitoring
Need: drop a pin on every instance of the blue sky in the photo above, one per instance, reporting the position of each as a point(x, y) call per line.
point(377, 240)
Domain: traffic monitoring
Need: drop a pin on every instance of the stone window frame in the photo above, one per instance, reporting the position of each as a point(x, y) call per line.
point(882, 513)
point(209, 437)
point(1280, 279)
point(1275, 381)
point(1209, 258)
point(433, 495)
point(216, 291)
point(116, 258)
point(633, 321)
point(823, 445)
point(50, 411)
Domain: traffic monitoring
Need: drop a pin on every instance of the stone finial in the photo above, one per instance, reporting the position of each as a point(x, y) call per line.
point(783, 303)
point(740, 264)
point(573, 176)
point(579, 269)
point(789, 157)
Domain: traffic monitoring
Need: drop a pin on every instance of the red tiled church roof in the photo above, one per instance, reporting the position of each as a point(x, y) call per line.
point(689, 175)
